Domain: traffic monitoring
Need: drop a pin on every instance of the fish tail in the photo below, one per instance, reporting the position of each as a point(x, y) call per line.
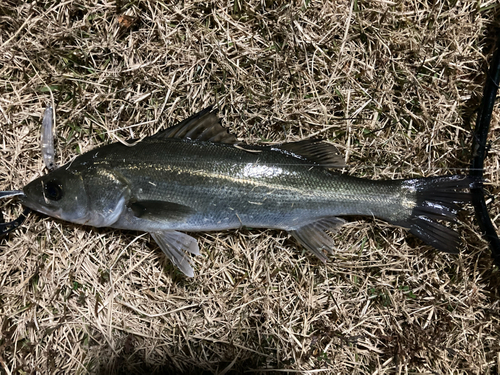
point(438, 200)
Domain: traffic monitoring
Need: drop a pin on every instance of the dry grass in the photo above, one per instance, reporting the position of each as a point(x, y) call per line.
point(395, 84)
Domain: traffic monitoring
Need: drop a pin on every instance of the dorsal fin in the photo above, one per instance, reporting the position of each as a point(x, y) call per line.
point(314, 150)
point(202, 126)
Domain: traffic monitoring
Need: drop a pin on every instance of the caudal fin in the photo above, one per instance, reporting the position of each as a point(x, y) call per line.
point(438, 199)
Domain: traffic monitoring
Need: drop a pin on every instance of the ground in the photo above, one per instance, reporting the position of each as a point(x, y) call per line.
point(395, 85)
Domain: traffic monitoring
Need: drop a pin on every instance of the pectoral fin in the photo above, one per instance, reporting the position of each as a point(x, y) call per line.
point(159, 210)
point(313, 237)
point(174, 245)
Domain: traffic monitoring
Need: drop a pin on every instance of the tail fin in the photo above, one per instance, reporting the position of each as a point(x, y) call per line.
point(438, 198)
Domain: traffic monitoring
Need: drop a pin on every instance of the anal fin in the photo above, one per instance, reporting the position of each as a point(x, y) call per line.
point(313, 237)
point(175, 245)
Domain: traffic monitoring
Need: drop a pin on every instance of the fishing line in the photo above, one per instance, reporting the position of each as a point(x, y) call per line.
point(479, 151)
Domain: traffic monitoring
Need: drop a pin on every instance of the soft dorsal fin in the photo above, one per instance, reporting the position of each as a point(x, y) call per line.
point(202, 126)
point(314, 150)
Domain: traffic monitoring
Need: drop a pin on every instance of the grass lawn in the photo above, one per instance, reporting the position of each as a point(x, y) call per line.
point(395, 85)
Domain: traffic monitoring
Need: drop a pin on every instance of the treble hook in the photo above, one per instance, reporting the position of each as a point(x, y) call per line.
point(12, 225)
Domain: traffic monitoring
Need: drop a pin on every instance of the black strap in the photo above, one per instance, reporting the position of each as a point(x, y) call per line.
point(12, 225)
point(479, 151)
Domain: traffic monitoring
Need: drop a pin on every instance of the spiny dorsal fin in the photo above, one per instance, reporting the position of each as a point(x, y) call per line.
point(202, 126)
point(314, 150)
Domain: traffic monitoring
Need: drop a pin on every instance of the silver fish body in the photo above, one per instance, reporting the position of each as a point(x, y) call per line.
point(195, 177)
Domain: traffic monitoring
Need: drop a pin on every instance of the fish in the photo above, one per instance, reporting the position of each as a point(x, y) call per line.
point(195, 177)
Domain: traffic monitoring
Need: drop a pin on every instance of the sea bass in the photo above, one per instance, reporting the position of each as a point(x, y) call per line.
point(195, 176)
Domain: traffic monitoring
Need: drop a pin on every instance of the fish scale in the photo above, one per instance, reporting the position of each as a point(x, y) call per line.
point(264, 190)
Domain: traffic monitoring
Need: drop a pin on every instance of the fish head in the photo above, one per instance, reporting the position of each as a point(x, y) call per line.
point(60, 194)
point(90, 196)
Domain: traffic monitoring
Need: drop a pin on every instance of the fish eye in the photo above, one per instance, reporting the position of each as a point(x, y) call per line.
point(53, 190)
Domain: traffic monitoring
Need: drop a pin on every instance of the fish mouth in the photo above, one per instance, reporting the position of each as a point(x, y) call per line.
point(54, 212)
